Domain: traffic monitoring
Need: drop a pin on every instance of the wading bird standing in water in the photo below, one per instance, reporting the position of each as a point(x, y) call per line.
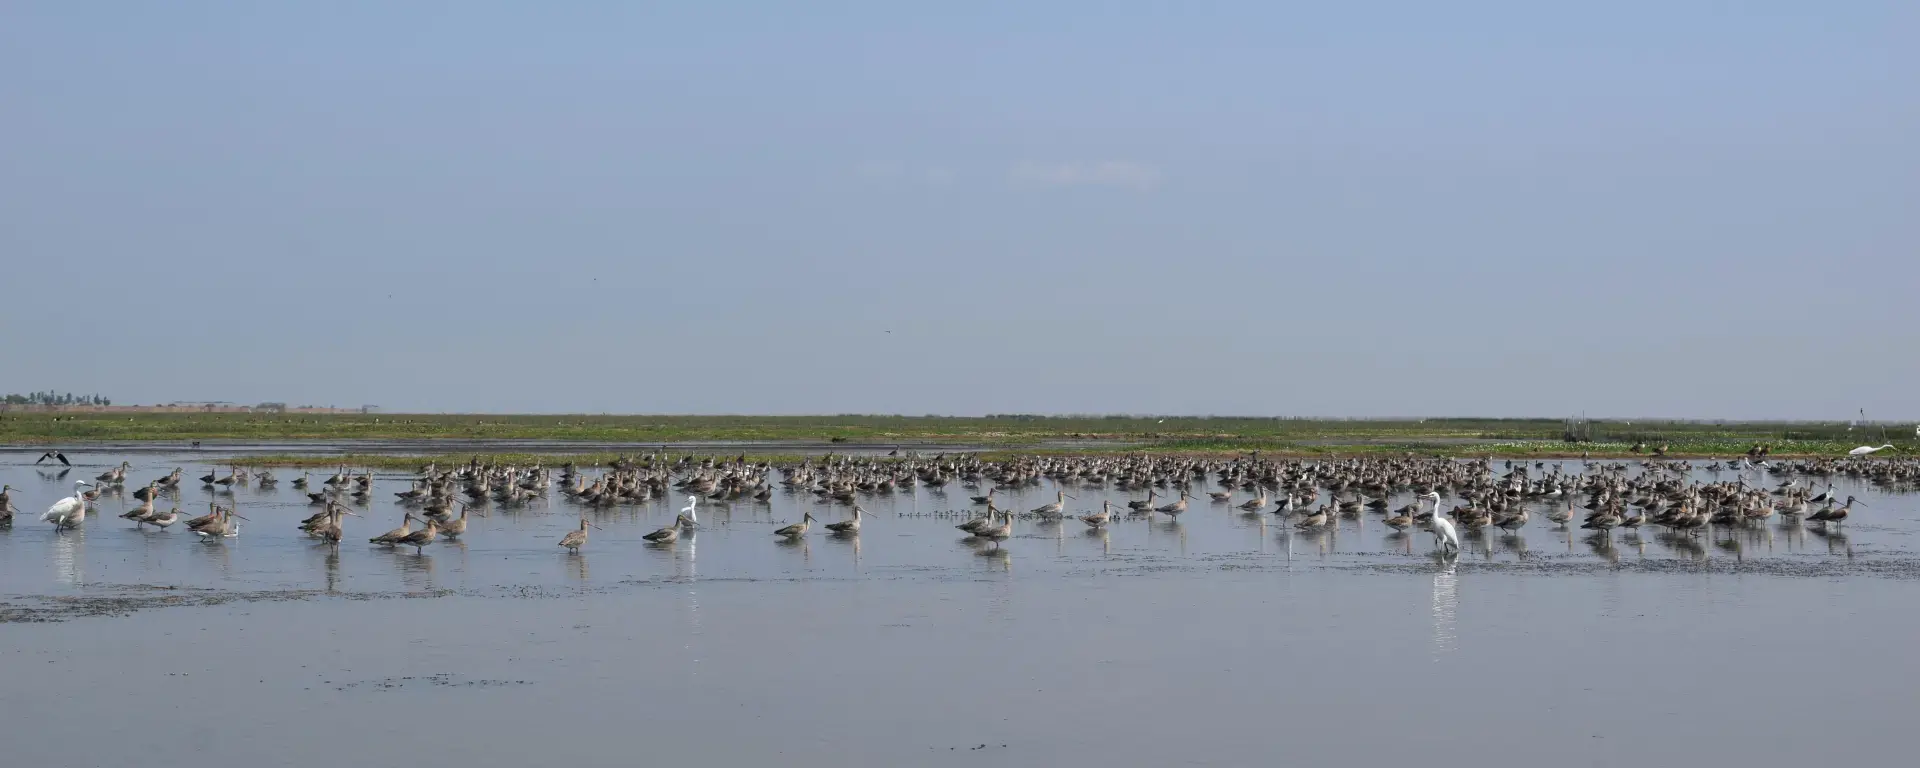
point(422, 537)
point(574, 540)
point(997, 533)
point(1444, 536)
point(1050, 511)
point(1100, 518)
point(6, 505)
point(68, 512)
point(848, 526)
point(1833, 514)
point(671, 533)
point(221, 527)
point(396, 535)
point(797, 529)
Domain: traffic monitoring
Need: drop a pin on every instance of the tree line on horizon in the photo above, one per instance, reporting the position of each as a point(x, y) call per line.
point(51, 397)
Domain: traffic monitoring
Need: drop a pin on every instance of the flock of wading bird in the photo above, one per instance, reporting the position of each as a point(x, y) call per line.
point(1450, 496)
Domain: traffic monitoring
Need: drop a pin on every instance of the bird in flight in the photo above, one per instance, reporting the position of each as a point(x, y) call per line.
point(54, 455)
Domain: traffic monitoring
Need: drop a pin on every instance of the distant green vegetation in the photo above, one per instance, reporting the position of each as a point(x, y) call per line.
point(1078, 434)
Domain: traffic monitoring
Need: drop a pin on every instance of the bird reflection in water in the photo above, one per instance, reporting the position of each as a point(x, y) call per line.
point(1634, 541)
point(1485, 542)
point(1796, 536)
point(1731, 545)
point(1684, 545)
point(692, 646)
point(1601, 544)
point(1000, 556)
point(1446, 600)
point(459, 549)
point(681, 553)
point(800, 543)
point(219, 558)
point(1401, 541)
point(1318, 537)
point(577, 568)
point(1837, 543)
point(416, 571)
point(68, 549)
point(333, 569)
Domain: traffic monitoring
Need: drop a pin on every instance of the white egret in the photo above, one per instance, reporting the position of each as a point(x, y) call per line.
point(68, 512)
point(1444, 535)
point(1868, 450)
point(692, 510)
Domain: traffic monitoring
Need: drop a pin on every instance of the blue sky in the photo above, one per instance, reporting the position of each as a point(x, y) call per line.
point(1371, 208)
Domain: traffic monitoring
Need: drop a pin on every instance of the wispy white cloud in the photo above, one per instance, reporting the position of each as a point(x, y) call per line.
point(1111, 173)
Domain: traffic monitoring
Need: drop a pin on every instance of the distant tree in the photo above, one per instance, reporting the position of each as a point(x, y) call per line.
point(52, 398)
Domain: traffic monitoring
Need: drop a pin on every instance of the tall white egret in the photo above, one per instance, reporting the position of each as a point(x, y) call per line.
point(1444, 535)
point(68, 512)
point(692, 510)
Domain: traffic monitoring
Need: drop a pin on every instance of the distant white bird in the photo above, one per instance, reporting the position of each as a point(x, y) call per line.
point(692, 511)
point(1867, 450)
point(68, 512)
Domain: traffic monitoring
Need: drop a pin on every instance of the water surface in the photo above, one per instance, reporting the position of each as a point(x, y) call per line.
point(1218, 639)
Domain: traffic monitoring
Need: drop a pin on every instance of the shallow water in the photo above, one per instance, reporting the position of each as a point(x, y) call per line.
point(1222, 639)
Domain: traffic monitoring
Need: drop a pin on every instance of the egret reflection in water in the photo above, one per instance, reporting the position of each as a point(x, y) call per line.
point(1445, 602)
point(67, 550)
